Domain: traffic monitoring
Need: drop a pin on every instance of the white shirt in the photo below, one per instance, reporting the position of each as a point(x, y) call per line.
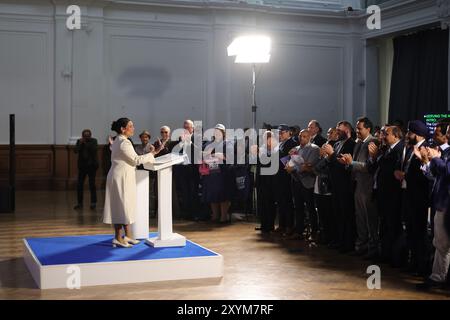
point(444, 146)
point(418, 144)
point(393, 146)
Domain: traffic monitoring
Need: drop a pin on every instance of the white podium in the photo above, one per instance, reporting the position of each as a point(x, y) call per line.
point(163, 165)
point(140, 227)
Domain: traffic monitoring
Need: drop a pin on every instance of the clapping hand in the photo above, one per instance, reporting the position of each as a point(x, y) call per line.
point(254, 150)
point(422, 154)
point(185, 136)
point(219, 156)
point(399, 175)
point(159, 146)
point(346, 159)
point(322, 152)
point(288, 168)
point(433, 153)
point(306, 167)
point(373, 150)
point(327, 149)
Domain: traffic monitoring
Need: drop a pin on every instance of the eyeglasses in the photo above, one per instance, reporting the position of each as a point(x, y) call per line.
point(164, 131)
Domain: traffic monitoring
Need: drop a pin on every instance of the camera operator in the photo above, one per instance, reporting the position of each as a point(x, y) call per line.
point(86, 148)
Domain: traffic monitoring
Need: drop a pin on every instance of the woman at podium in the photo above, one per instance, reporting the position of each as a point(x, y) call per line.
point(120, 195)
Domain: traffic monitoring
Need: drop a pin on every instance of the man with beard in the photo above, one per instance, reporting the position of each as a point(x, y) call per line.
point(342, 187)
point(388, 188)
point(315, 130)
point(417, 188)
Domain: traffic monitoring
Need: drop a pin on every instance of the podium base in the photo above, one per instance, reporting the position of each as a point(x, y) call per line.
point(175, 240)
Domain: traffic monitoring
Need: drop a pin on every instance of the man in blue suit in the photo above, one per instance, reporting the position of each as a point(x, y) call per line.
point(437, 161)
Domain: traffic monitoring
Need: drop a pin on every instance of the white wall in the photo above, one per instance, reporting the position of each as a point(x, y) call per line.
point(161, 65)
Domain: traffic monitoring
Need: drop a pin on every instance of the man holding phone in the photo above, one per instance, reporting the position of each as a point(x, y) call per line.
point(86, 148)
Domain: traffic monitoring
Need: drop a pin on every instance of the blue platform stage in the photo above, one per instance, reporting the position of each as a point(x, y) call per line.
point(49, 259)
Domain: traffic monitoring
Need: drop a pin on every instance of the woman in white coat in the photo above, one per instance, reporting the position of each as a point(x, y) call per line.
point(120, 195)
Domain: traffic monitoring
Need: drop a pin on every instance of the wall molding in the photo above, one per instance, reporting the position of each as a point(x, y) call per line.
point(48, 167)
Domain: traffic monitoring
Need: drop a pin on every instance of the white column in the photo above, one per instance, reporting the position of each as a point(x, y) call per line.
point(140, 228)
point(165, 203)
point(62, 76)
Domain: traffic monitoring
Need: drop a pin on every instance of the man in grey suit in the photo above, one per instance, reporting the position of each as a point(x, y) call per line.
point(365, 208)
point(303, 159)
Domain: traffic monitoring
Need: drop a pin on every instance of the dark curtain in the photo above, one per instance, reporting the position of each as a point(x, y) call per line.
point(419, 75)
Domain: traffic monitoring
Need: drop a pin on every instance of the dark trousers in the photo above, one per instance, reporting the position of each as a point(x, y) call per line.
point(284, 199)
point(304, 199)
point(82, 173)
point(345, 218)
point(389, 208)
point(186, 184)
point(327, 223)
point(267, 202)
point(416, 231)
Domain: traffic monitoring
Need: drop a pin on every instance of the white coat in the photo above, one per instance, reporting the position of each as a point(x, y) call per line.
point(120, 194)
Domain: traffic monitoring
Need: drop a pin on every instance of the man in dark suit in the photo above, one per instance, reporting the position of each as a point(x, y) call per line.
point(417, 188)
point(86, 148)
point(365, 208)
point(436, 163)
point(315, 130)
point(284, 196)
point(295, 131)
point(186, 174)
point(388, 188)
point(342, 186)
point(440, 139)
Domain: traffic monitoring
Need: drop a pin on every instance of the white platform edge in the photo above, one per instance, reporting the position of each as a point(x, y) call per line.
point(124, 272)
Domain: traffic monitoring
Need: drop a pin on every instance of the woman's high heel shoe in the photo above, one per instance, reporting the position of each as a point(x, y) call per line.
point(116, 243)
point(129, 240)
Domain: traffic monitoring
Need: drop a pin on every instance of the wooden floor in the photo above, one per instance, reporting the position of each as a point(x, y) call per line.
point(255, 268)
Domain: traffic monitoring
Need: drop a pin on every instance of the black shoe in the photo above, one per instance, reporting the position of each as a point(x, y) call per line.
point(258, 228)
point(296, 236)
point(371, 256)
point(78, 207)
point(334, 245)
point(93, 205)
point(428, 285)
point(344, 250)
point(358, 253)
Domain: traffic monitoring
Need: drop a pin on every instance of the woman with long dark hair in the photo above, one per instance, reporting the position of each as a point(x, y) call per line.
point(120, 195)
